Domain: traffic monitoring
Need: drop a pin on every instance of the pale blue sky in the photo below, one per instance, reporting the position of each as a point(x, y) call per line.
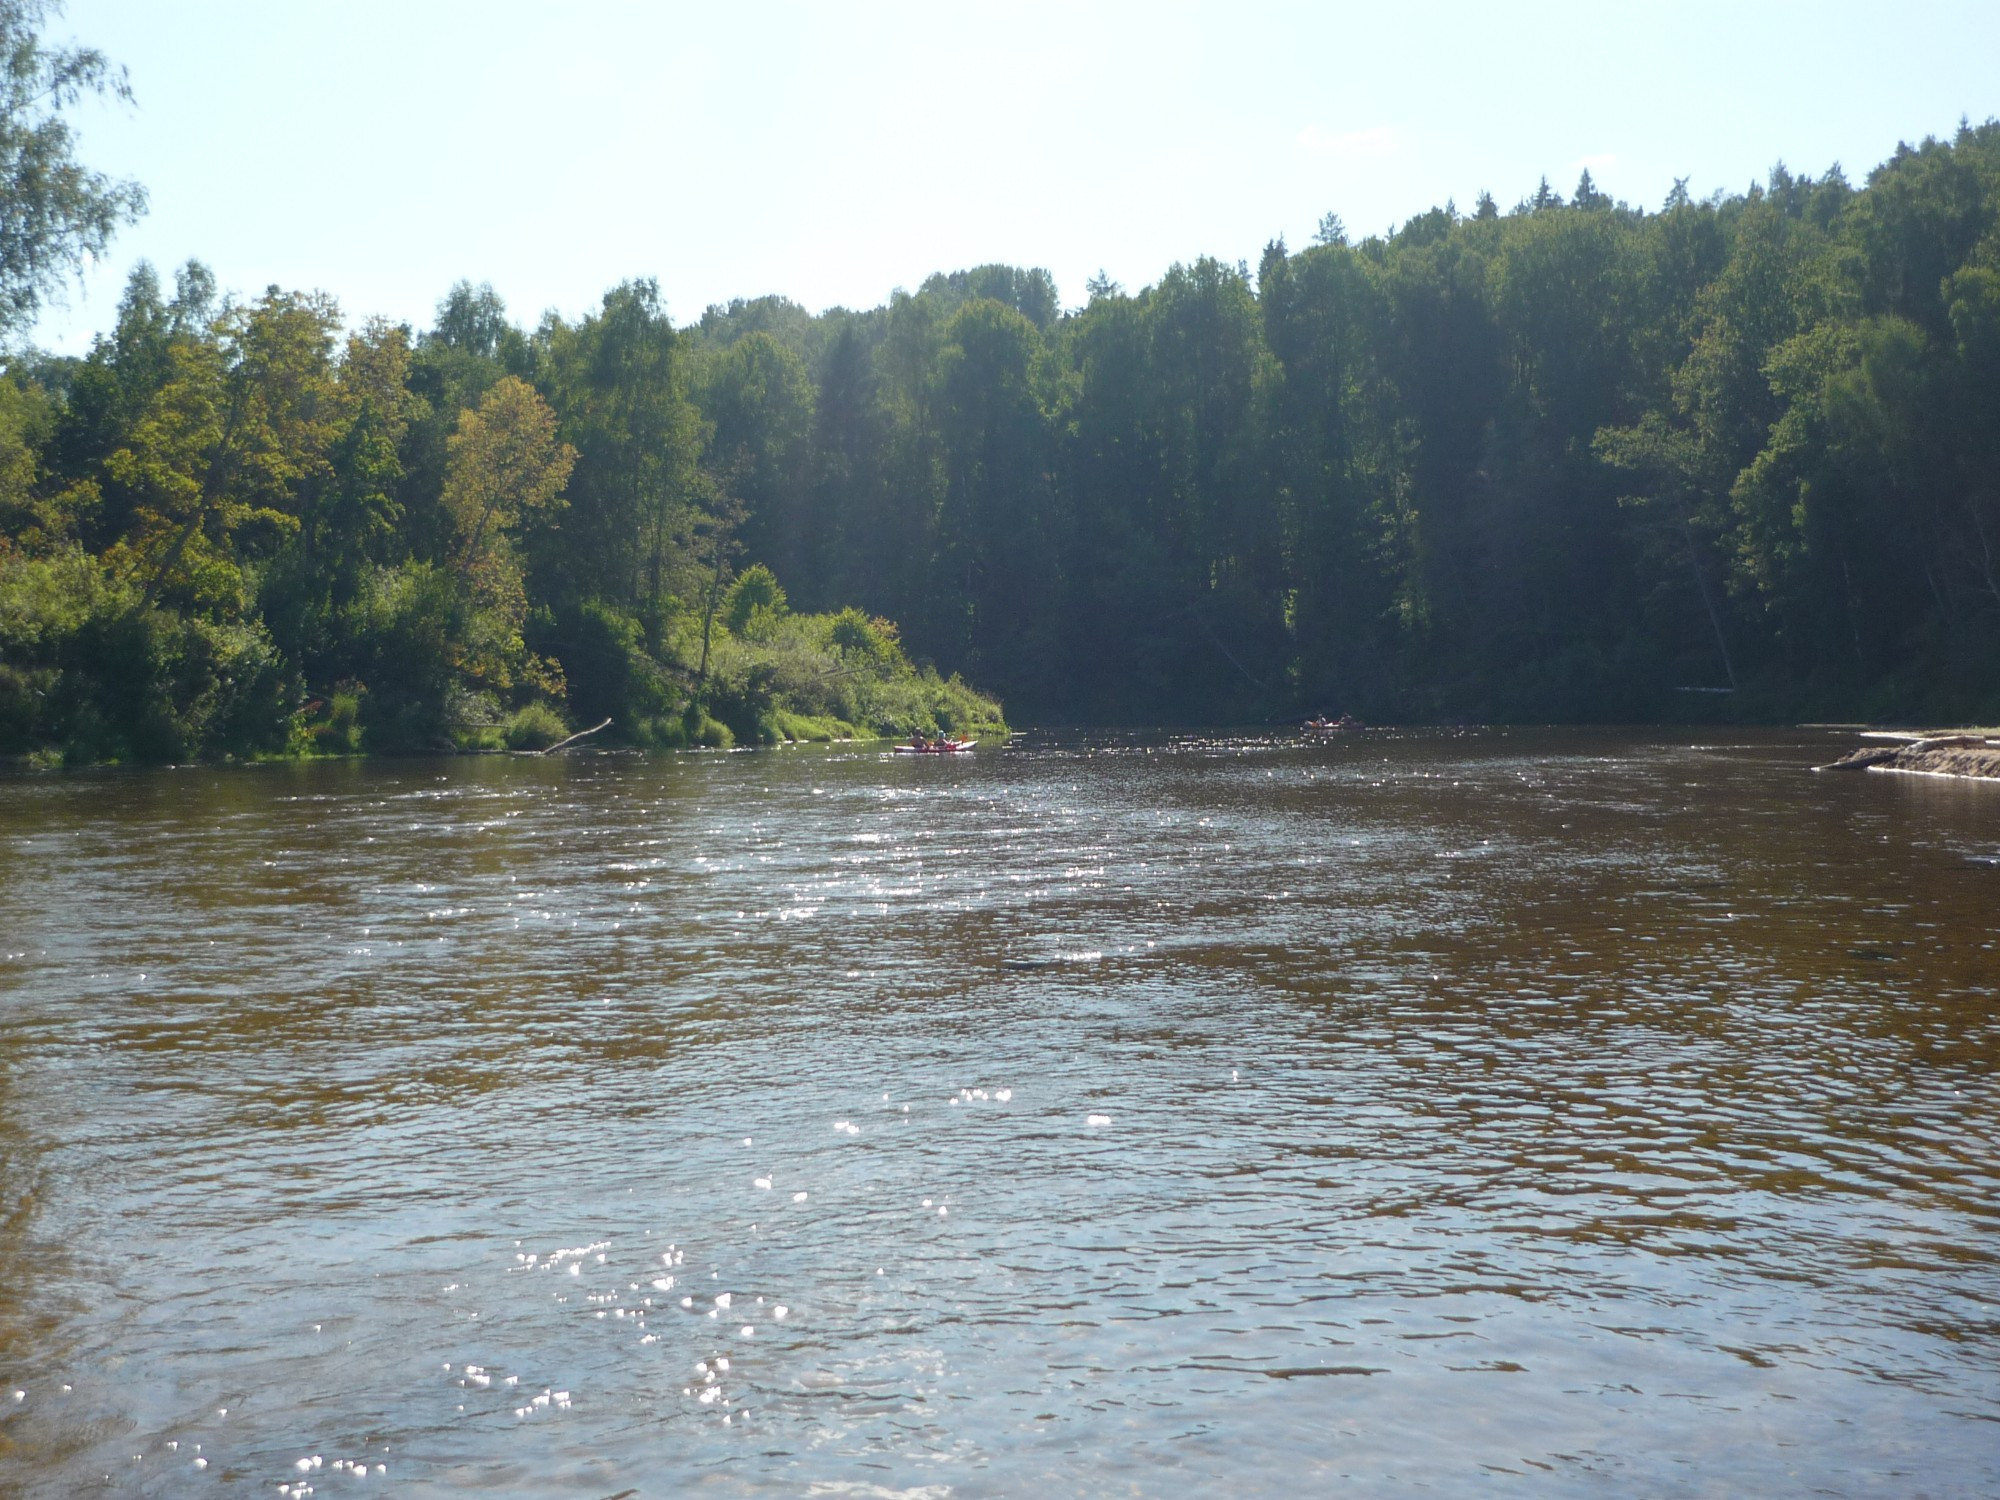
point(380, 149)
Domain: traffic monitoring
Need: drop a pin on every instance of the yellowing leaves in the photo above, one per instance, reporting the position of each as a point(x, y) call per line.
point(503, 466)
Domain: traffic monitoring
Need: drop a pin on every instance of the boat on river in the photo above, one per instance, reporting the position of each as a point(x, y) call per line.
point(937, 747)
point(1345, 724)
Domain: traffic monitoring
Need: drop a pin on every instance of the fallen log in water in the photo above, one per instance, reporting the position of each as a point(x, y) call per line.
point(581, 734)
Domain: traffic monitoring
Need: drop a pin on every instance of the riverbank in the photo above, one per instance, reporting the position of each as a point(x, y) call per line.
point(1959, 752)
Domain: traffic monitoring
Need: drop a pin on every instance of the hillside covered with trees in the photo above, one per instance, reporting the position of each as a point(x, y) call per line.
point(1573, 461)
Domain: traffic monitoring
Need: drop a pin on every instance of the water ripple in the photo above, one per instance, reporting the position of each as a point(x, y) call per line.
point(1114, 1111)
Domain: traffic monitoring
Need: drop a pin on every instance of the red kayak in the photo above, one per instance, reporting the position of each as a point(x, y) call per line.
point(937, 747)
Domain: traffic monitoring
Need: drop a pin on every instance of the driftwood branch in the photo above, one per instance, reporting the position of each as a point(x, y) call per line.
point(581, 734)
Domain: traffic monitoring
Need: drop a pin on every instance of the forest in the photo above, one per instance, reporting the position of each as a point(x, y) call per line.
point(1736, 458)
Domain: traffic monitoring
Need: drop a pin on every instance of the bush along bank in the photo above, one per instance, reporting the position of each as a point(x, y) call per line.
point(91, 673)
point(752, 672)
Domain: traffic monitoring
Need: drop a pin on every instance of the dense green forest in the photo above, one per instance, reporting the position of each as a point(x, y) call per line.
point(1572, 461)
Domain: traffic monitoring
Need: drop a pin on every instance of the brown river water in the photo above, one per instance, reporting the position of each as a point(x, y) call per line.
point(1553, 1113)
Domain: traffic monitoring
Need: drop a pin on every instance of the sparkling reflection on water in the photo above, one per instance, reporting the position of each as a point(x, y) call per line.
point(1106, 1115)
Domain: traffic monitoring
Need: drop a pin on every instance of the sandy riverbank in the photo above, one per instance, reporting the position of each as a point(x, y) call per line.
point(1960, 752)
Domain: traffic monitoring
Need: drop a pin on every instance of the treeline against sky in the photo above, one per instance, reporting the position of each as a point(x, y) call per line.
point(1574, 461)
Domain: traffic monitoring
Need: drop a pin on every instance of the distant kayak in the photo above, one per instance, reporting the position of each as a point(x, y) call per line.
point(1345, 724)
point(937, 747)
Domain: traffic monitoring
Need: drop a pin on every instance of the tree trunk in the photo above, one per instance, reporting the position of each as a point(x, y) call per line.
point(708, 617)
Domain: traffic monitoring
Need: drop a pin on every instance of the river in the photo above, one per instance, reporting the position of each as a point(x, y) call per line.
point(1604, 1113)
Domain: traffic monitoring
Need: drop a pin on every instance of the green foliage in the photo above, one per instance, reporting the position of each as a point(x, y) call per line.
point(610, 672)
point(812, 728)
point(618, 383)
point(758, 398)
point(340, 734)
point(799, 676)
point(44, 606)
point(755, 603)
point(1559, 462)
point(705, 733)
point(83, 666)
point(56, 215)
point(533, 726)
point(406, 623)
point(862, 641)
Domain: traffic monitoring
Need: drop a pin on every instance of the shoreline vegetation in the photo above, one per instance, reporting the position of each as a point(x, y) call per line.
point(1574, 462)
point(758, 675)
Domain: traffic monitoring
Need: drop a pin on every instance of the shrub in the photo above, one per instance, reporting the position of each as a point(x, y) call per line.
point(755, 603)
point(709, 734)
point(343, 723)
point(535, 726)
point(610, 673)
point(406, 621)
point(44, 606)
point(857, 636)
point(86, 670)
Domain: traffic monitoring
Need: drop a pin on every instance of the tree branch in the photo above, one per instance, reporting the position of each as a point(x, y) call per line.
point(579, 735)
